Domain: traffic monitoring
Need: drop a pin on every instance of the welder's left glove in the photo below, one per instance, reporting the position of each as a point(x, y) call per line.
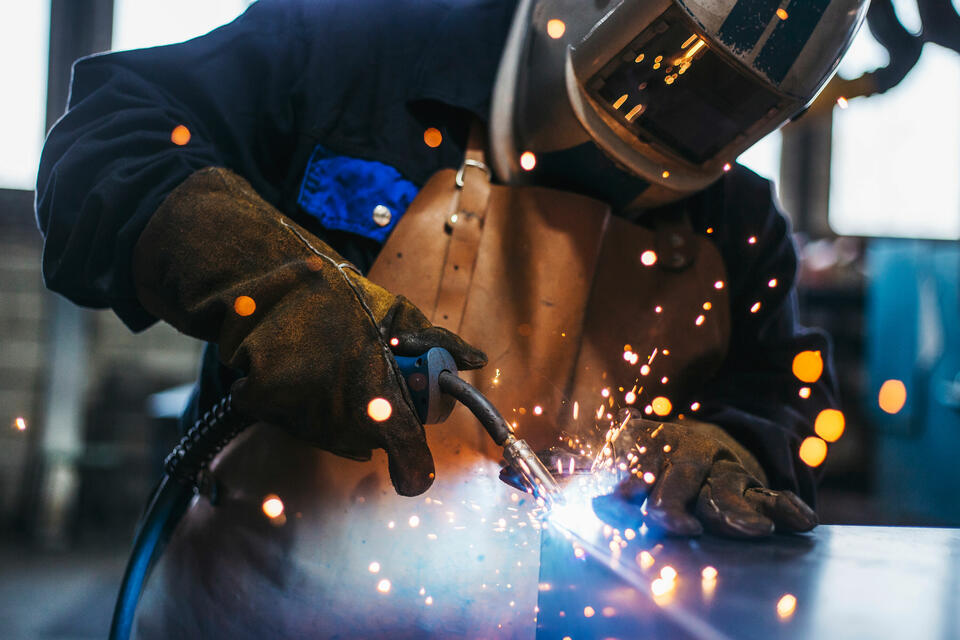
point(695, 476)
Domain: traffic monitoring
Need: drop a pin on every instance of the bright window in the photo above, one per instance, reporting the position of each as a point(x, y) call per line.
point(895, 169)
point(24, 36)
point(764, 156)
point(148, 23)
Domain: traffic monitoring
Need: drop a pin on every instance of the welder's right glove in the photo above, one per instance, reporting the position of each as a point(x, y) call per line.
point(312, 336)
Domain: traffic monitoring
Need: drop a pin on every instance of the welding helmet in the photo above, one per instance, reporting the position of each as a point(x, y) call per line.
point(668, 91)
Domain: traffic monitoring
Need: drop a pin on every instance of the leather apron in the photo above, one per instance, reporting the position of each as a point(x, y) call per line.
point(559, 293)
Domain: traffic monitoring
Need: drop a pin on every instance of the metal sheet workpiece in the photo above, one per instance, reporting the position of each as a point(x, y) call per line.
point(836, 582)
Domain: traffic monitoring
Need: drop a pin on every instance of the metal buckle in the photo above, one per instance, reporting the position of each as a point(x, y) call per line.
point(471, 163)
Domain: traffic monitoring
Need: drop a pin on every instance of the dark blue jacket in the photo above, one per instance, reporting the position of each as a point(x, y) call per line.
point(292, 83)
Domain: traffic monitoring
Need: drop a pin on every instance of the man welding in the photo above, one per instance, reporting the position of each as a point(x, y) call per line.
point(545, 189)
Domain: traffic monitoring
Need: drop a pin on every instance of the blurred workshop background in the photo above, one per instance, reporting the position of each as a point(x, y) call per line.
point(871, 183)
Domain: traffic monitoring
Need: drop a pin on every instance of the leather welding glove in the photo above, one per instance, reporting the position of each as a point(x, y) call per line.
point(701, 478)
point(312, 336)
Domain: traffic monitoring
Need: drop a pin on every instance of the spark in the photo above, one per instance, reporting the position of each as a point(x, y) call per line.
point(414, 521)
point(383, 586)
point(629, 534)
point(666, 448)
point(528, 160)
point(726, 167)
point(630, 397)
point(600, 413)
point(605, 392)
point(709, 230)
point(661, 406)
point(665, 174)
point(786, 605)
point(633, 113)
point(645, 560)
point(559, 467)
point(496, 377)
point(668, 573)
point(244, 306)
point(648, 477)
point(20, 424)
point(374, 567)
point(272, 507)
point(718, 284)
point(571, 466)
point(808, 366)
point(752, 240)
point(892, 396)
point(379, 409)
point(695, 406)
point(428, 600)
point(639, 58)
point(658, 309)
point(620, 101)
point(842, 102)
point(660, 586)
point(576, 410)
point(648, 258)
point(634, 358)
point(755, 307)
point(645, 369)
point(813, 451)
point(556, 28)
point(700, 319)
point(432, 137)
point(707, 305)
point(180, 135)
point(394, 342)
point(829, 424)
point(391, 524)
point(708, 573)
point(538, 410)
point(804, 392)
point(782, 13)
point(578, 552)
point(588, 611)
point(648, 409)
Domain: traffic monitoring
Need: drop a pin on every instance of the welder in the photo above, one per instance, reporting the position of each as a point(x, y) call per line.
point(546, 189)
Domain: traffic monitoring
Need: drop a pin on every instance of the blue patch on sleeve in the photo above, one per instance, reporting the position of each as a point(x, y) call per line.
point(342, 192)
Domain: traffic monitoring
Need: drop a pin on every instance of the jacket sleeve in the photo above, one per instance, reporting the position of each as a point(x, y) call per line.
point(755, 396)
point(110, 160)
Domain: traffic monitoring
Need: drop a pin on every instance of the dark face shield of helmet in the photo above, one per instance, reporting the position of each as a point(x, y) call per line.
point(670, 90)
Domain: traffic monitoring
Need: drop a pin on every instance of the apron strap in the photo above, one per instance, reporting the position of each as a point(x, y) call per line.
point(466, 227)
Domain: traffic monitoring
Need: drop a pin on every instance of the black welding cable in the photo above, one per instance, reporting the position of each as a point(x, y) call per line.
point(168, 504)
point(482, 408)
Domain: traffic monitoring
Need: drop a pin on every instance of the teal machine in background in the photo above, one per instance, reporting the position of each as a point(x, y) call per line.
point(913, 335)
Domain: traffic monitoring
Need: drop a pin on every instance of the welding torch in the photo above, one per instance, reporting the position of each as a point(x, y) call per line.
point(435, 386)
